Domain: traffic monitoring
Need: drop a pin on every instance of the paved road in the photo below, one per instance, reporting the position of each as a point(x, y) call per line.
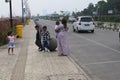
point(97, 53)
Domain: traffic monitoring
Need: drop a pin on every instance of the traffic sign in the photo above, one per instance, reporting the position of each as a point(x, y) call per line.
point(24, 10)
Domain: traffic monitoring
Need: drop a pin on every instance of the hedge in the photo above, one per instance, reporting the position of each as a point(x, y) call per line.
point(107, 18)
point(5, 28)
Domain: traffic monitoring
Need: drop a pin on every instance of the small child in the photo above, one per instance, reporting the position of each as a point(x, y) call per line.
point(11, 42)
point(45, 38)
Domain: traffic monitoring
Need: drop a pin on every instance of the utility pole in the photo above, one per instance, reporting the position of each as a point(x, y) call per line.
point(11, 20)
point(22, 13)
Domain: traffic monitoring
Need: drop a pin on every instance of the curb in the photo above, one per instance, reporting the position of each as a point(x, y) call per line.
point(82, 72)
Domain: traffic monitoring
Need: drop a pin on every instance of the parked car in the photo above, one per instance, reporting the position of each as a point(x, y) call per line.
point(84, 23)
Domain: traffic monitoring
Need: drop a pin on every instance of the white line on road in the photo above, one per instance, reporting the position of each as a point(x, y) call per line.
point(100, 44)
point(106, 62)
point(105, 46)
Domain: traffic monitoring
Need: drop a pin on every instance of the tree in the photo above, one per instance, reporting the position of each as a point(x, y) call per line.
point(101, 7)
point(89, 10)
point(114, 5)
point(74, 14)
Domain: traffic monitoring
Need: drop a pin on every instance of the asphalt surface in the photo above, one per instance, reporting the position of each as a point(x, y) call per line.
point(97, 53)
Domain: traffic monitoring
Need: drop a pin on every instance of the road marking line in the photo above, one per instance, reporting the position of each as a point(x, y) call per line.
point(102, 62)
point(100, 44)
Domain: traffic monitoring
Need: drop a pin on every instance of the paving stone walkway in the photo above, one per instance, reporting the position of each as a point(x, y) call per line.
point(30, 64)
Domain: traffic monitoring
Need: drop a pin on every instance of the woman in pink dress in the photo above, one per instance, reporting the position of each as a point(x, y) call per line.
point(61, 30)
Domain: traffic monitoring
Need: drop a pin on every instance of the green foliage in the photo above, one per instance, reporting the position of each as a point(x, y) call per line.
point(107, 18)
point(100, 24)
point(101, 10)
point(3, 36)
point(5, 28)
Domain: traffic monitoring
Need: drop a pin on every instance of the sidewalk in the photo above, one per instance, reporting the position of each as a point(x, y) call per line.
point(30, 64)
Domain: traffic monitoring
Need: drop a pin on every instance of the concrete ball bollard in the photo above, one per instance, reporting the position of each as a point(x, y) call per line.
point(53, 44)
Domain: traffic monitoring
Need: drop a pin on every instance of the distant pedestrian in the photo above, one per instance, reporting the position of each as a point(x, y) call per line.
point(11, 42)
point(45, 38)
point(63, 49)
point(38, 37)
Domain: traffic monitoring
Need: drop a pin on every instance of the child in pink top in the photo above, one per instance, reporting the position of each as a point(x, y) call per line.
point(11, 42)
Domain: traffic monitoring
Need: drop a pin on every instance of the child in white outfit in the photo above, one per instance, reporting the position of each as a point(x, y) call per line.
point(11, 42)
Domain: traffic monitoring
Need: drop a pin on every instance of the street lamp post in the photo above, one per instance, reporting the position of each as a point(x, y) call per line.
point(11, 20)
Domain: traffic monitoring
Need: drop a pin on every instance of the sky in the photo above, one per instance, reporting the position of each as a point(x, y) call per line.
point(44, 7)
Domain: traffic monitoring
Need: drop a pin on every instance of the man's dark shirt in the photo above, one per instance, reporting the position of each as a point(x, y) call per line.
point(37, 36)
